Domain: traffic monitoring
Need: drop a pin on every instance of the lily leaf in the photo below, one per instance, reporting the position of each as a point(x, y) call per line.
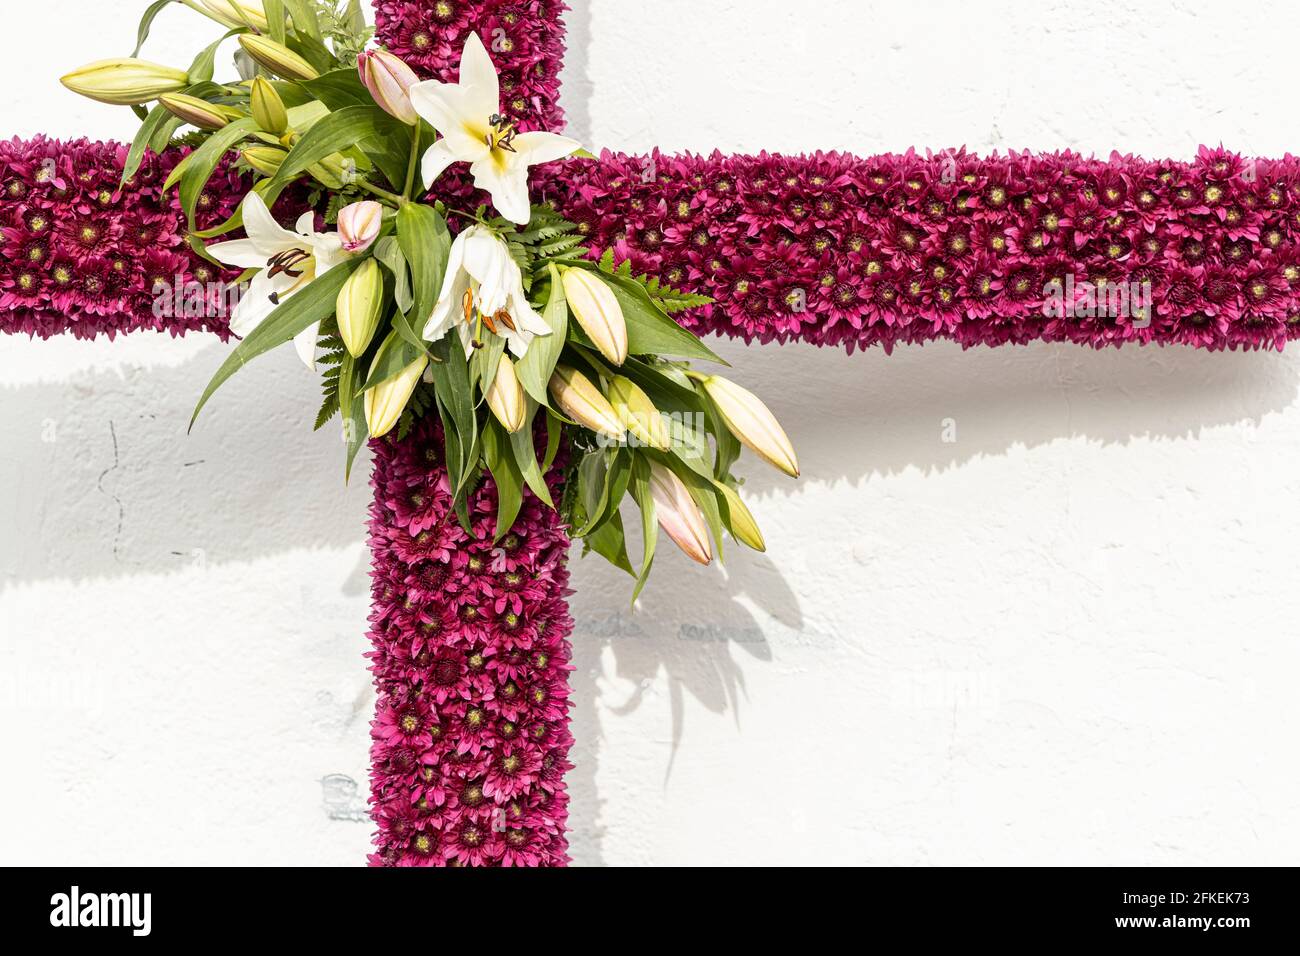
point(538, 363)
point(201, 163)
point(275, 16)
point(650, 330)
point(146, 23)
point(339, 88)
point(426, 242)
point(156, 120)
point(525, 452)
point(315, 302)
point(640, 486)
point(510, 485)
point(331, 134)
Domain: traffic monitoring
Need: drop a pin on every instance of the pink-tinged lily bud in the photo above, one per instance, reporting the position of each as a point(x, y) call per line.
point(593, 304)
point(678, 514)
point(125, 81)
point(505, 396)
point(389, 81)
point(577, 396)
point(751, 421)
point(386, 401)
point(359, 224)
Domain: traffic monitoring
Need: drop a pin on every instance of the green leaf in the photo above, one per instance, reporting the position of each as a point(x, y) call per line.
point(389, 252)
point(146, 24)
point(390, 363)
point(640, 485)
point(355, 428)
point(615, 477)
point(726, 445)
point(610, 542)
point(354, 17)
point(450, 374)
point(426, 243)
point(651, 331)
point(331, 134)
point(525, 452)
point(554, 433)
point(538, 363)
point(203, 67)
point(200, 164)
point(313, 303)
point(304, 16)
point(156, 120)
point(510, 485)
point(484, 361)
point(339, 88)
point(275, 16)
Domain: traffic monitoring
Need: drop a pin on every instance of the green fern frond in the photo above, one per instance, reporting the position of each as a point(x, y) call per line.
point(331, 359)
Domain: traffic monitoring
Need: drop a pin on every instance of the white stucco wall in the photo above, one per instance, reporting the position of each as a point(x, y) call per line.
point(1065, 637)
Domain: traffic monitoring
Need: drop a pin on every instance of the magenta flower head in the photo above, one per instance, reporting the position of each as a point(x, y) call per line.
point(359, 224)
point(388, 79)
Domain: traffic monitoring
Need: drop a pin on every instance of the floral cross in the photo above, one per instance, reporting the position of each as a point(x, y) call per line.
point(470, 626)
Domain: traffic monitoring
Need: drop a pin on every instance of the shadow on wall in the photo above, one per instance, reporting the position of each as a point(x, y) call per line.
point(100, 478)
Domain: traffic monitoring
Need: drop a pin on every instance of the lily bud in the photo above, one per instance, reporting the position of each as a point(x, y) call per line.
point(678, 514)
point(637, 414)
point(359, 224)
point(268, 108)
point(238, 13)
point(576, 396)
point(125, 81)
point(386, 401)
point(195, 111)
point(265, 159)
point(743, 526)
point(358, 307)
point(389, 81)
point(597, 310)
point(277, 58)
point(505, 396)
point(751, 421)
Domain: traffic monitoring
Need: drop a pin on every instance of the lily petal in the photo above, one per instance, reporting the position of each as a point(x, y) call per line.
point(262, 228)
point(254, 305)
point(478, 77)
point(448, 109)
point(238, 252)
point(508, 188)
point(436, 160)
point(305, 344)
point(535, 148)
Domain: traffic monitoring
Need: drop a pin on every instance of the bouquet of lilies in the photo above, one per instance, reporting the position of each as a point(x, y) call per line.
point(496, 319)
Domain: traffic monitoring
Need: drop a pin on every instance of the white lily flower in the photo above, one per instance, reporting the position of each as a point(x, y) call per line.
point(468, 117)
point(287, 260)
point(483, 278)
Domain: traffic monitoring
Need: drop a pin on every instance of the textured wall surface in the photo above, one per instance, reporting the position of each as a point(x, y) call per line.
point(1027, 605)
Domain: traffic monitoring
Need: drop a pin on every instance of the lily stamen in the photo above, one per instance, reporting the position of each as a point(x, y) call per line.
point(502, 135)
point(286, 261)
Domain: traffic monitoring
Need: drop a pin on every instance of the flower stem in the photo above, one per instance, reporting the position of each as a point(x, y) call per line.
point(408, 191)
point(393, 199)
